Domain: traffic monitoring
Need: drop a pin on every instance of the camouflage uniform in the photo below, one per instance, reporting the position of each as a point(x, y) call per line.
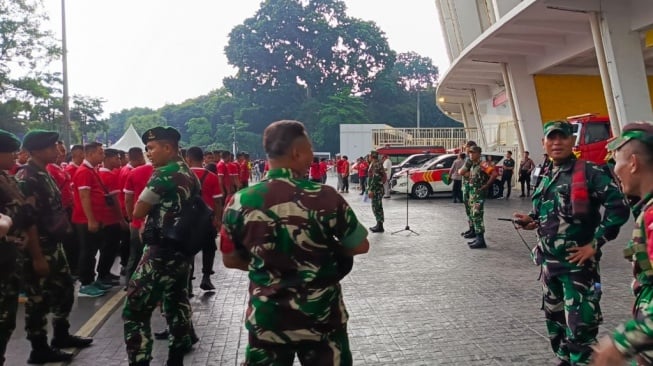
point(633, 338)
point(163, 273)
point(375, 185)
point(570, 296)
point(478, 177)
point(54, 292)
point(466, 167)
point(292, 232)
point(12, 204)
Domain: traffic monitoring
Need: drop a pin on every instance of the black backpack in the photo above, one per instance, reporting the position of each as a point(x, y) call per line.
point(194, 228)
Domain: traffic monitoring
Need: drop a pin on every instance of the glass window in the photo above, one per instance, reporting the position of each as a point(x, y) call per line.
point(596, 132)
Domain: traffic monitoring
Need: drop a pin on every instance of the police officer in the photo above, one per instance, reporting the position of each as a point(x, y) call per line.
point(21, 234)
point(163, 272)
point(296, 238)
point(54, 292)
point(633, 155)
point(377, 177)
point(566, 213)
point(480, 176)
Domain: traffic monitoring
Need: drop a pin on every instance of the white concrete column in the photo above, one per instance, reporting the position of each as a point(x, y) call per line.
point(466, 15)
point(501, 7)
point(625, 63)
point(477, 117)
point(526, 106)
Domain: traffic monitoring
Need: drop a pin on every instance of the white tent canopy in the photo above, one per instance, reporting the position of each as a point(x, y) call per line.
point(129, 139)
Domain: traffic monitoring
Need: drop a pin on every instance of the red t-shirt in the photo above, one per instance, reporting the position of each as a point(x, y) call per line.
point(71, 168)
point(362, 169)
point(136, 181)
point(233, 168)
point(315, 172)
point(244, 171)
point(340, 166)
point(110, 180)
point(87, 179)
point(64, 182)
point(210, 186)
point(323, 168)
point(122, 179)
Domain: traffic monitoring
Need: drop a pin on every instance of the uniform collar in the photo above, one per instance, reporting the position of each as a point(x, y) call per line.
point(643, 203)
point(280, 173)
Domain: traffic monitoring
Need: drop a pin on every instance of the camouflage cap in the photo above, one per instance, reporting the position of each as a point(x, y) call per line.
point(562, 126)
point(640, 130)
point(374, 154)
point(9, 143)
point(36, 140)
point(161, 133)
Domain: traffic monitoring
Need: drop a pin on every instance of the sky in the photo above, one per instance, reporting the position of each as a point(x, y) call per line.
point(148, 53)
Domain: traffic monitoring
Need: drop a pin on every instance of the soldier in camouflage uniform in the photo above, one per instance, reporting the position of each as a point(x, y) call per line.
point(163, 272)
point(470, 233)
point(480, 176)
point(296, 238)
point(633, 155)
point(566, 213)
point(55, 292)
point(22, 233)
point(377, 177)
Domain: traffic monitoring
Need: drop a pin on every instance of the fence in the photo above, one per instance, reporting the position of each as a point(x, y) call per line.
point(448, 138)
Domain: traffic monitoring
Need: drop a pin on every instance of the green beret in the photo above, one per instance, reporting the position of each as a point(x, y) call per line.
point(9, 143)
point(161, 133)
point(562, 126)
point(36, 140)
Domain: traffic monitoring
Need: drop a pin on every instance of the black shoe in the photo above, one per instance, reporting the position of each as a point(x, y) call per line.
point(162, 335)
point(47, 355)
point(521, 195)
point(467, 232)
point(206, 284)
point(378, 228)
point(470, 235)
point(479, 243)
point(71, 341)
point(563, 363)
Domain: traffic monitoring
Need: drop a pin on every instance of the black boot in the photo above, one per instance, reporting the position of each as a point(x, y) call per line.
point(378, 228)
point(470, 235)
point(162, 335)
point(467, 232)
point(479, 243)
point(175, 358)
point(63, 339)
point(140, 363)
point(206, 284)
point(42, 353)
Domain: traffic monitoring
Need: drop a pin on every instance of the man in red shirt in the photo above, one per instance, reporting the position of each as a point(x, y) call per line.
point(212, 195)
point(114, 220)
point(64, 181)
point(362, 173)
point(77, 157)
point(233, 169)
point(136, 159)
point(21, 160)
point(244, 171)
point(89, 216)
point(324, 168)
point(223, 175)
point(134, 185)
point(314, 171)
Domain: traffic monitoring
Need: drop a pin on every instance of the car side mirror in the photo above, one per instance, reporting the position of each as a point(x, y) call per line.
point(439, 166)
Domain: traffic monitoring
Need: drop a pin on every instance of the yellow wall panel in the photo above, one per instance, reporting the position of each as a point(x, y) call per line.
point(560, 96)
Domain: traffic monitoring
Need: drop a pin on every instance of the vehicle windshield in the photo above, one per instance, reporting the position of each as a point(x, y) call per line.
point(429, 162)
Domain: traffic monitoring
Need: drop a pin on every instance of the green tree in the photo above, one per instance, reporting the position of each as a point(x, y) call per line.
point(199, 132)
point(339, 109)
point(85, 113)
point(415, 72)
point(25, 51)
point(143, 123)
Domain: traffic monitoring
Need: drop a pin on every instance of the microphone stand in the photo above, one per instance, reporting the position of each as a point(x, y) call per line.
point(407, 228)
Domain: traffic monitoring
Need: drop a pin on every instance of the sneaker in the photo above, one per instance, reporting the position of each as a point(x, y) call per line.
point(90, 291)
point(101, 285)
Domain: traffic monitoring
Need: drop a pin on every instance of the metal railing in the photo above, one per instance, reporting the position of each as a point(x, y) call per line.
point(448, 138)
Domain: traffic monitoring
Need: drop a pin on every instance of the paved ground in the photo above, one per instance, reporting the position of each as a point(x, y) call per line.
point(412, 300)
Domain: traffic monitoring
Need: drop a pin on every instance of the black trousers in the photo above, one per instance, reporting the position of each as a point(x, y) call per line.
point(363, 183)
point(525, 179)
point(109, 250)
point(124, 247)
point(89, 244)
point(506, 179)
point(457, 190)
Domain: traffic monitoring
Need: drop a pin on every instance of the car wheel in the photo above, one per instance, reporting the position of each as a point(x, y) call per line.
point(421, 191)
point(494, 190)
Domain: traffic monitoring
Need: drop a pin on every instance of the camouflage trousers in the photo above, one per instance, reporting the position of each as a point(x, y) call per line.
point(377, 203)
point(476, 202)
point(468, 211)
point(333, 350)
point(572, 312)
point(643, 309)
point(159, 277)
point(54, 293)
point(9, 287)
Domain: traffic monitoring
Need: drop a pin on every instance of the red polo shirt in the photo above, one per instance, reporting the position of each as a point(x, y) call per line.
point(362, 169)
point(87, 179)
point(210, 186)
point(110, 180)
point(71, 168)
point(315, 172)
point(64, 182)
point(122, 179)
point(244, 171)
point(135, 184)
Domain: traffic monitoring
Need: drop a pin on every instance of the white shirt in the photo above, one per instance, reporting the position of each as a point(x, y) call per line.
point(387, 165)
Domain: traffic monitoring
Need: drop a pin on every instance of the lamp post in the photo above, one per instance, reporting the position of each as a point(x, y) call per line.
point(64, 59)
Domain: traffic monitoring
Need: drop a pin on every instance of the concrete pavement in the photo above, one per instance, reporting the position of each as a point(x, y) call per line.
point(412, 300)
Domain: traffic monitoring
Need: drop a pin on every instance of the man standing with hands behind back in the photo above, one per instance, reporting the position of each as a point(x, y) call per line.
point(566, 213)
point(296, 238)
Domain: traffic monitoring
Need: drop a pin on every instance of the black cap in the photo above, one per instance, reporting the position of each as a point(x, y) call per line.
point(9, 143)
point(36, 140)
point(161, 133)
